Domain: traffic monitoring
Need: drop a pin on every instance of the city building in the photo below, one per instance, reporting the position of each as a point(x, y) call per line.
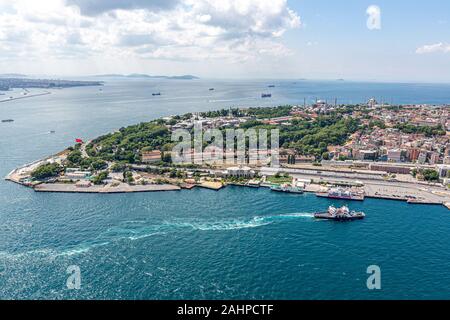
point(240, 172)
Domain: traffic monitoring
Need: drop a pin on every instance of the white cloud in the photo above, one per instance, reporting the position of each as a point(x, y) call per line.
point(232, 30)
point(374, 19)
point(433, 48)
point(96, 7)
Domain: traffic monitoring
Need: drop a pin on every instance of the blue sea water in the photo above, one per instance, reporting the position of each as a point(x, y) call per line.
point(201, 244)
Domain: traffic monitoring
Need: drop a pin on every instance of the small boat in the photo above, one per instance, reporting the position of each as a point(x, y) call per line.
point(266, 95)
point(52, 131)
point(339, 214)
point(8, 120)
point(271, 86)
point(156, 94)
point(287, 188)
point(211, 89)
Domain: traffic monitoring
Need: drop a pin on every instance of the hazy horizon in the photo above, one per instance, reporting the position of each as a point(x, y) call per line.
point(124, 76)
point(382, 41)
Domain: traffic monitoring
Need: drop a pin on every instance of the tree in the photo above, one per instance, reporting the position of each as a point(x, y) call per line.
point(98, 179)
point(167, 157)
point(99, 165)
point(128, 175)
point(46, 171)
point(430, 175)
point(118, 167)
point(75, 157)
point(173, 173)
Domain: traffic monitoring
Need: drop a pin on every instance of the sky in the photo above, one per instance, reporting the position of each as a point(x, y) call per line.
point(379, 40)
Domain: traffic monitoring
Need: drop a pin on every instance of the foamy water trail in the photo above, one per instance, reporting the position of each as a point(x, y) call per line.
point(135, 230)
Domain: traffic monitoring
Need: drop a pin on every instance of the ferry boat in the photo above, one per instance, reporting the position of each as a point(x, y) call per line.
point(340, 214)
point(266, 95)
point(287, 188)
point(341, 194)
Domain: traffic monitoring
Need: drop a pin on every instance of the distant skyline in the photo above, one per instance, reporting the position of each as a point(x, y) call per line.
point(380, 40)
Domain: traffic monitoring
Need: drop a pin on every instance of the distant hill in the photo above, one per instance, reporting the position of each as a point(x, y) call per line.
point(146, 76)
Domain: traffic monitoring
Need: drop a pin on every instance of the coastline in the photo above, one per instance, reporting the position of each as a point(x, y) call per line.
point(412, 193)
point(123, 188)
point(27, 96)
point(149, 171)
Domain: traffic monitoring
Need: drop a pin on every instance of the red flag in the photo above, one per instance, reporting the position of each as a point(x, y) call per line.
point(78, 141)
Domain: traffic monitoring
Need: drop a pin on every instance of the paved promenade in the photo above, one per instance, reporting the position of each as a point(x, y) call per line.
point(122, 188)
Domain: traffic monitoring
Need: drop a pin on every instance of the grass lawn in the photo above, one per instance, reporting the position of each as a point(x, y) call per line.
point(279, 180)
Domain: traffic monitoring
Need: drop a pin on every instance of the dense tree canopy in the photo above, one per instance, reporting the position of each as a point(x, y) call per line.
point(47, 170)
point(126, 144)
point(426, 130)
point(308, 137)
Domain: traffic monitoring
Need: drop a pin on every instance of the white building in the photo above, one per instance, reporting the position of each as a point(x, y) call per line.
point(78, 175)
point(394, 155)
point(240, 172)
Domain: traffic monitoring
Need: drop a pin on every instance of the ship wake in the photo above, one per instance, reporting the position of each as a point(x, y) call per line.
point(135, 230)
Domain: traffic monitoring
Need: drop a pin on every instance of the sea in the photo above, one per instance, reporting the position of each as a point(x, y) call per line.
point(236, 243)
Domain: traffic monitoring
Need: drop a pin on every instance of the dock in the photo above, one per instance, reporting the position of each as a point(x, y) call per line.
point(211, 185)
point(122, 188)
point(26, 97)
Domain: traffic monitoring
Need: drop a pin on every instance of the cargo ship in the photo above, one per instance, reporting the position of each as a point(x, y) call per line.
point(8, 120)
point(342, 194)
point(339, 214)
point(287, 188)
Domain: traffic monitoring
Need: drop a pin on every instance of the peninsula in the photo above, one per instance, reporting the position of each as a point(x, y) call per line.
point(348, 152)
point(146, 76)
point(7, 83)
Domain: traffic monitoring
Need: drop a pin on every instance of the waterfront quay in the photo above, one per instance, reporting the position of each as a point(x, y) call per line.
point(315, 180)
point(120, 188)
point(138, 158)
point(403, 188)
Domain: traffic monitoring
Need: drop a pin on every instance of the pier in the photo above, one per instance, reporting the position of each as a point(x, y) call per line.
point(27, 96)
point(121, 188)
